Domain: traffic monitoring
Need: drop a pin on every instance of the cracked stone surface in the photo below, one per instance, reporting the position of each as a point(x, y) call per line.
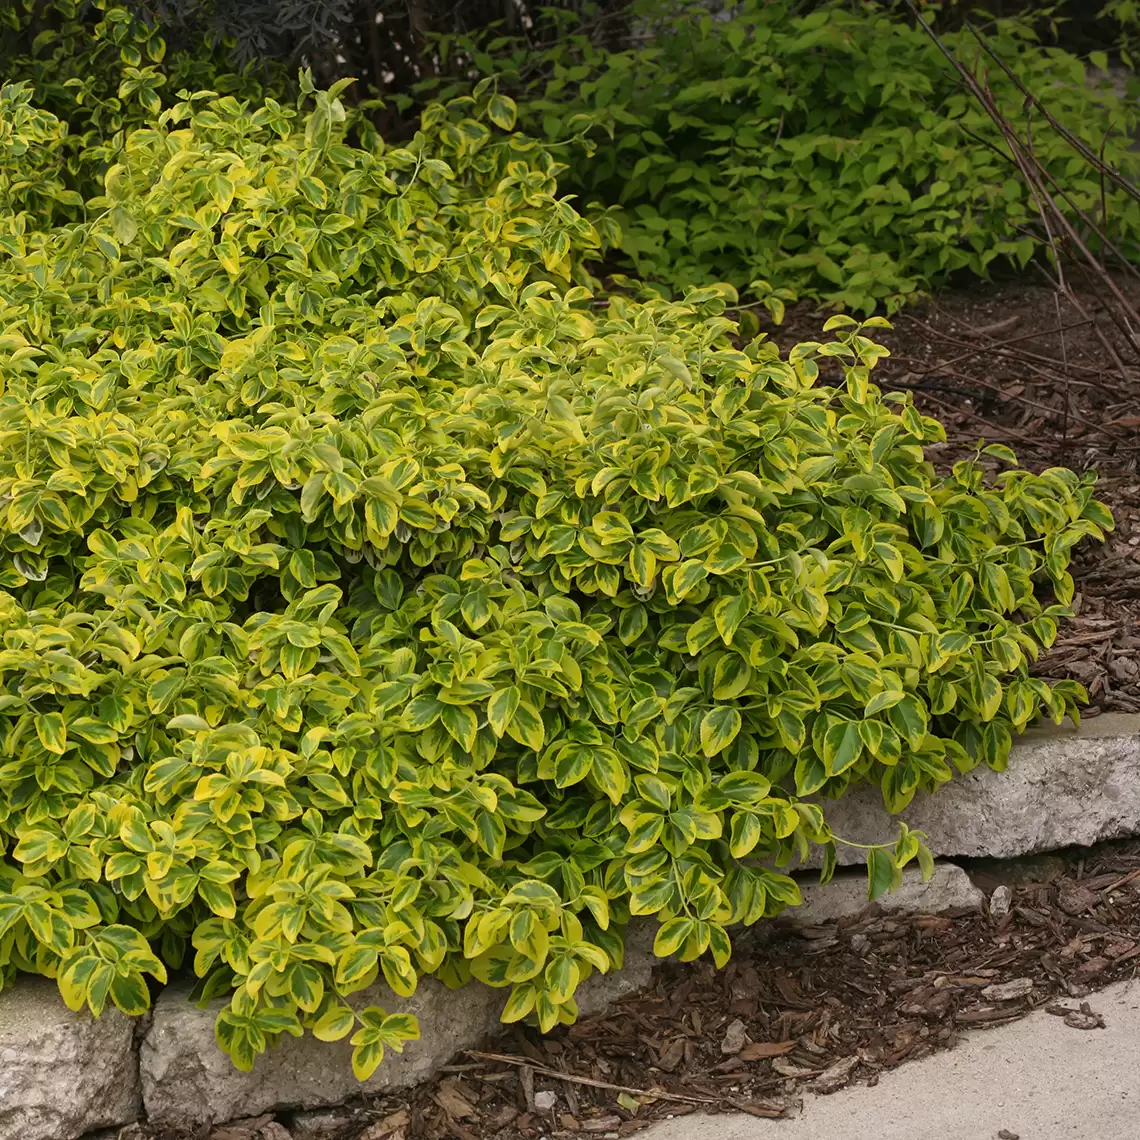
point(1063, 787)
point(61, 1073)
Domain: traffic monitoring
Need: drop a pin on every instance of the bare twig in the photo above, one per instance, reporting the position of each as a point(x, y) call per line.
point(1066, 397)
point(1003, 344)
point(1077, 144)
point(1057, 227)
point(525, 1062)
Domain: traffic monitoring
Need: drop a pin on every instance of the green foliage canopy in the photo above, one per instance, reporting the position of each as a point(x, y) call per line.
point(830, 152)
point(377, 600)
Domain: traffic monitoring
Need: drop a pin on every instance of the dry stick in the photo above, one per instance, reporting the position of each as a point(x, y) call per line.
point(1120, 882)
point(1002, 350)
point(523, 1062)
point(1108, 346)
point(1066, 395)
point(1021, 352)
point(1104, 193)
point(1007, 432)
point(1039, 192)
point(1106, 241)
point(1077, 144)
point(1028, 360)
point(764, 1113)
point(926, 387)
point(1091, 263)
point(992, 387)
point(996, 327)
point(1031, 174)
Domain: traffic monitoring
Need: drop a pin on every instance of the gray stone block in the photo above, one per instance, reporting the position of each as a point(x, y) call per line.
point(1063, 787)
point(947, 889)
point(61, 1073)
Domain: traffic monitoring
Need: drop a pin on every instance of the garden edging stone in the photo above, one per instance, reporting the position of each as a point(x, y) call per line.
point(62, 1073)
point(188, 1082)
point(1063, 787)
point(948, 888)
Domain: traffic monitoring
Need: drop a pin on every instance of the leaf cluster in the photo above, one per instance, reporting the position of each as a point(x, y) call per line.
point(378, 601)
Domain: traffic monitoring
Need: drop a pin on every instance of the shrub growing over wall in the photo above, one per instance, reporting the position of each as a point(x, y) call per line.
point(377, 601)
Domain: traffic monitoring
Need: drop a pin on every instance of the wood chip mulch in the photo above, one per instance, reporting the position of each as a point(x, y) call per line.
point(810, 1009)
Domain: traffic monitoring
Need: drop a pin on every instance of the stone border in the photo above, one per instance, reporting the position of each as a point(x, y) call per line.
point(1064, 787)
point(63, 1075)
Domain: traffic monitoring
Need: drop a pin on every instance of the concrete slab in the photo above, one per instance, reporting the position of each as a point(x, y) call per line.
point(1037, 1079)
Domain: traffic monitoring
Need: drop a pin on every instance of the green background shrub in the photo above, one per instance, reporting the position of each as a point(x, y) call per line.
point(825, 149)
point(792, 149)
point(378, 600)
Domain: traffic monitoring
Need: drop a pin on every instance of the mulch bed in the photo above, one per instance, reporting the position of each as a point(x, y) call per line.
point(796, 1009)
point(1014, 363)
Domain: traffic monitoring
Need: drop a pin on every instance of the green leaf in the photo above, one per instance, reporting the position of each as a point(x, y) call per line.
point(884, 700)
point(501, 709)
point(526, 726)
point(336, 1023)
point(672, 935)
point(719, 728)
point(366, 1058)
point(842, 746)
point(909, 719)
point(502, 112)
point(882, 873)
point(811, 773)
point(52, 731)
point(685, 577)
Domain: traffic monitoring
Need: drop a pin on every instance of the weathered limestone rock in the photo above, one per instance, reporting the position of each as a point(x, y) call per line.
point(846, 894)
point(1063, 787)
point(187, 1080)
point(61, 1073)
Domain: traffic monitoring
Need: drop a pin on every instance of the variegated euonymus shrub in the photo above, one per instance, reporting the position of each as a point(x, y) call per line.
point(377, 601)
